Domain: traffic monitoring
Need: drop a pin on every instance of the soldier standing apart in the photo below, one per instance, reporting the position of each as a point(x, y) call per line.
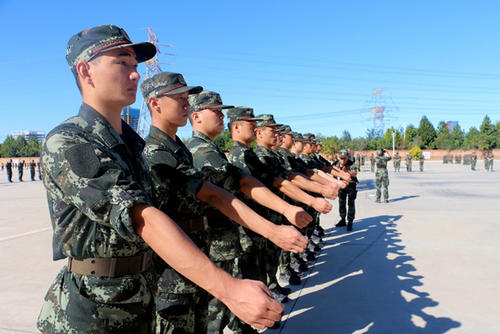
point(408, 159)
point(100, 203)
point(473, 161)
point(421, 159)
point(8, 167)
point(382, 175)
point(490, 158)
point(397, 162)
point(349, 193)
point(32, 170)
point(20, 170)
point(372, 162)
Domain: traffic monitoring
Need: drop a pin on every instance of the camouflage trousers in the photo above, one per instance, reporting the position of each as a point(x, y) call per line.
point(382, 183)
point(347, 198)
point(421, 166)
point(408, 166)
point(397, 166)
point(84, 304)
point(181, 306)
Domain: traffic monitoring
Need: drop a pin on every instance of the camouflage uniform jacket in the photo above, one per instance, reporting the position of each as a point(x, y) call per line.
point(322, 160)
point(291, 161)
point(93, 176)
point(311, 163)
point(349, 166)
point(271, 160)
point(175, 182)
point(245, 158)
point(381, 163)
point(209, 159)
point(175, 185)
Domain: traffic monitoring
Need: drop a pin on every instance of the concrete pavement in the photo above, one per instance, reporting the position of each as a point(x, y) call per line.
point(427, 262)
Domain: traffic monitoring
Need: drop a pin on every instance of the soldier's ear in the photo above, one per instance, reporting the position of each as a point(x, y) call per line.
point(154, 105)
point(84, 73)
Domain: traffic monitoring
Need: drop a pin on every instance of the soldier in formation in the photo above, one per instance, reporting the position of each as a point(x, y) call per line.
point(473, 161)
point(372, 163)
point(408, 159)
point(397, 162)
point(421, 159)
point(382, 175)
point(20, 170)
point(8, 168)
point(489, 160)
point(103, 211)
point(32, 170)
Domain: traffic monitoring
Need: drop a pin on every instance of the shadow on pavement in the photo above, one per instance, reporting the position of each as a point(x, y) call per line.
point(363, 282)
point(402, 198)
point(366, 184)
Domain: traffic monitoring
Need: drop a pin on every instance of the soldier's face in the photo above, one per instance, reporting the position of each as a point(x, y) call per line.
point(112, 77)
point(247, 131)
point(287, 141)
point(174, 109)
point(299, 146)
point(212, 120)
point(268, 135)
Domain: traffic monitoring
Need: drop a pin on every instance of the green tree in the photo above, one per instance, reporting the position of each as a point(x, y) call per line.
point(387, 139)
point(224, 141)
point(410, 136)
point(457, 138)
point(346, 137)
point(487, 131)
point(10, 148)
point(32, 148)
point(427, 133)
point(472, 139)
point(443, 140)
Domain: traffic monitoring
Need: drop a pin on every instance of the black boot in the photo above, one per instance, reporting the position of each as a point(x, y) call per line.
point(349, 226)
point(341, 223)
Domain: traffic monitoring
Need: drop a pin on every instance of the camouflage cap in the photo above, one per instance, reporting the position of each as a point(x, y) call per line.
point(343, 154)
point(166, 83)
point(285, 129)
point(206, 100)
point(241, 114)
point(309, 138)
point(90, 43)
point(297, 136)
point(266, 120)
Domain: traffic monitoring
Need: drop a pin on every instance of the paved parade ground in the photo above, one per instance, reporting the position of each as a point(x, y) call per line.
point(426, 262)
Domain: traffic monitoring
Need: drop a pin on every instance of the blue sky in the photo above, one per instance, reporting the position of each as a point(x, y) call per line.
point(313, 65)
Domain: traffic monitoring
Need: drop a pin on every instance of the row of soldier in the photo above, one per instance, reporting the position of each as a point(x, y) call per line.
point(471, 159)
point(397, 162)
point(9, 165)
point(168, 238)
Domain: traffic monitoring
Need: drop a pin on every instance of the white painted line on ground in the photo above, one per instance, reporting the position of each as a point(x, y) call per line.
point(15, 236)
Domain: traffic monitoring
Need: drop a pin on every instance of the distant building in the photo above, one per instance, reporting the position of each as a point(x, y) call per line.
point(38, 135)
point(131, 116)
point(451, 125)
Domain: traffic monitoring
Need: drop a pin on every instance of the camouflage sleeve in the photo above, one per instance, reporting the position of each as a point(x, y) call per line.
point(217, 170)
point(259, 170)
point(92, 180)
point(171, 178)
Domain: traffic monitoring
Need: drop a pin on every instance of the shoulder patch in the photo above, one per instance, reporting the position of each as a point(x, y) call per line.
point(82, 160)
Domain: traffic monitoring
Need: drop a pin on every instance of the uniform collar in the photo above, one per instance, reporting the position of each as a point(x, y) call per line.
point(201, 135)
point(165, 139)
point(101, 128)
point(239, 144)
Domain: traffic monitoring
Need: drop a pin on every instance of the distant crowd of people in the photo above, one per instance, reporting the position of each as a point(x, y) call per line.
point(21, 166)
